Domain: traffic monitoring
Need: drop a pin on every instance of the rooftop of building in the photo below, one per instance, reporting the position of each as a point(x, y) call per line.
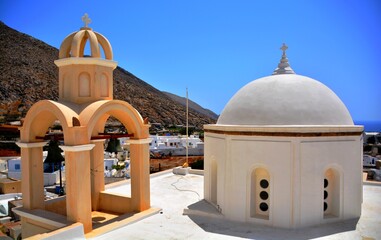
point(185, 215)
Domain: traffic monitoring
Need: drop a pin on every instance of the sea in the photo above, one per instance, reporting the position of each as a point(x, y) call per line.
point(370, 126)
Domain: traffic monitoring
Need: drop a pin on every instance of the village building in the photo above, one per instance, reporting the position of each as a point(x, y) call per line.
point(85, 103)
point(284, 153)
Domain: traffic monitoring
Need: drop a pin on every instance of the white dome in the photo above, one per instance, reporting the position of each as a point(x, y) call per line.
point(285, 99)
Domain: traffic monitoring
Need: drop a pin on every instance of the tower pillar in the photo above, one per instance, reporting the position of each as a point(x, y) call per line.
point(97, 172)
point(32, 175)
point(78, 184)
point(140, 175)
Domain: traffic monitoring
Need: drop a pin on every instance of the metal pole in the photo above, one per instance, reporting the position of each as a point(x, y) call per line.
point(61, 189)
point(187, 132)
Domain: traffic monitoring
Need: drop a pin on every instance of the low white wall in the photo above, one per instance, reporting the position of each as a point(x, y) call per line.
point(49, 178)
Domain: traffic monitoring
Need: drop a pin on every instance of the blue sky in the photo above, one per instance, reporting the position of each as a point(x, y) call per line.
point(216, 47)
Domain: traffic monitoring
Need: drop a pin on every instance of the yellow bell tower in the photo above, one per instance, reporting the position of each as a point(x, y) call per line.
point(85, 79)
point(85, 103)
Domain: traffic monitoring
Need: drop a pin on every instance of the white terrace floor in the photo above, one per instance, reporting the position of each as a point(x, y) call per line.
point(185, 215)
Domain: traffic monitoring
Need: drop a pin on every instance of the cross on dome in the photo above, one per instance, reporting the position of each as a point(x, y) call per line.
point(284, 48)
point(86, 20)
point(283, 67)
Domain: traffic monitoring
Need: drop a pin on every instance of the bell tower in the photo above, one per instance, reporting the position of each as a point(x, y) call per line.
point(85, 103)
point(85, 79)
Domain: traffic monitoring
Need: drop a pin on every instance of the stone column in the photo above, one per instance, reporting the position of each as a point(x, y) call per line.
point(32, 175)
point(140, 174)
point(97, 168)
point(78, 184)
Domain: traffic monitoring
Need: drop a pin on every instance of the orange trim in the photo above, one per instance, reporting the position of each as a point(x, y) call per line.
point(285, 134)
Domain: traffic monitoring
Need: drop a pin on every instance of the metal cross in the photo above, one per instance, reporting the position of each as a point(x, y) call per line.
point(86, 20)
point(284, 48)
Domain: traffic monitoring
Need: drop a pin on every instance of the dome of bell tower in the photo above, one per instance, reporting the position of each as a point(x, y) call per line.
point(74, 44)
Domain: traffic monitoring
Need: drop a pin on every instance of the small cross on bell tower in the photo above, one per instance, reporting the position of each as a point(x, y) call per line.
point(86, 20)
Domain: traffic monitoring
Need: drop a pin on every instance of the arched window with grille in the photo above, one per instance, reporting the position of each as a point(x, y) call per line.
point(260, 194)
point(331, 193)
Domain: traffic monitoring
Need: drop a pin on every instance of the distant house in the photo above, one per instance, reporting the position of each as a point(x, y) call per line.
point(50, 178)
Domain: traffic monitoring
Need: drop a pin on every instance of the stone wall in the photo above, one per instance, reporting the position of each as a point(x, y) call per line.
point(162, 164)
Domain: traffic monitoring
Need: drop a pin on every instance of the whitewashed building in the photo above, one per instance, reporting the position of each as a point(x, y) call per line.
point(284, 153)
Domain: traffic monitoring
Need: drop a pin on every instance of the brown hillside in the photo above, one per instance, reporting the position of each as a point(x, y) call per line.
point(28, 74)
point(192, 105)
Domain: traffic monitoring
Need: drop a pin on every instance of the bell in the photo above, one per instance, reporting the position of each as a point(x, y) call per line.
point(53, 160)
point(54, 153)
point(113, 146)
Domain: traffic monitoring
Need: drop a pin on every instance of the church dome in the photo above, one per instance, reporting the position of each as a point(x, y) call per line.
point(74, 44)
point(285, 98)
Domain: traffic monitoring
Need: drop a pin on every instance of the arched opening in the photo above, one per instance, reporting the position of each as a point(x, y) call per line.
point(54, 170)
point(86, 49)
point(116, 152)
point(46, 120)
point(102, 51)
point(331, 193)
point(260, 194)
point(109, 162)
point(53, 156)
point(42, 115)
point(95, 116)
point(84, 42)
point(213, 183)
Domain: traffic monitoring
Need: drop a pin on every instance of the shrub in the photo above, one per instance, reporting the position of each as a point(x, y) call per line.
point(199, 164)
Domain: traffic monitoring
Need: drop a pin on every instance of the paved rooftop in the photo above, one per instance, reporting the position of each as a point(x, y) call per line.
point(185, 215)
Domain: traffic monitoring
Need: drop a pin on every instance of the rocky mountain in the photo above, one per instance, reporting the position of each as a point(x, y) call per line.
point(192, 105)
point(28, 74)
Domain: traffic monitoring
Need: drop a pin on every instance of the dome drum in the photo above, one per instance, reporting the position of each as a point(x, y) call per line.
point(84, 80)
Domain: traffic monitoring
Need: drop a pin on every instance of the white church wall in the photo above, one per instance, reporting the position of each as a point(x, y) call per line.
point(214, 169)
point(296, 183)
point(222, 173)
point(248, 153)
point(296, 167)
point(282, 170)
point(317, 156)
point(353, 184)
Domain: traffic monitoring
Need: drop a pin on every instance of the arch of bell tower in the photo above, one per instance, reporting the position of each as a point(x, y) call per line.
point(42, 115)
point(92, 117)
